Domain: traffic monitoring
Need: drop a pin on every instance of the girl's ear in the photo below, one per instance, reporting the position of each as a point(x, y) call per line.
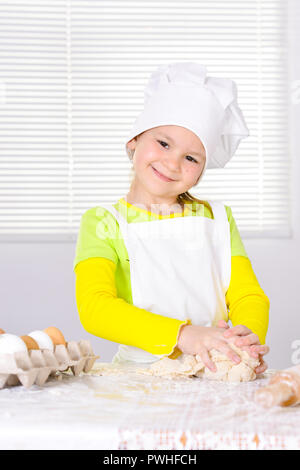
point(131, 146)
point(132, 143)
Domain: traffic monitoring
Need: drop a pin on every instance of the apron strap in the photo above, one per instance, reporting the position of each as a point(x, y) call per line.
point(219, 211)
point(123, 224)
point(115, 213)
point(223, 237)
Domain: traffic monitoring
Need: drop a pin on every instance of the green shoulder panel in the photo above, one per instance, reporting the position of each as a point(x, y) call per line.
point(95, 237)
point(237, 246)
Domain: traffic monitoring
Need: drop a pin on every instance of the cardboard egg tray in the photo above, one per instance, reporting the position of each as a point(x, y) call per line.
point(37, 365)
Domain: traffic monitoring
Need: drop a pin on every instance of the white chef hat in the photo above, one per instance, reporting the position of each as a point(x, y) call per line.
point(182, 94)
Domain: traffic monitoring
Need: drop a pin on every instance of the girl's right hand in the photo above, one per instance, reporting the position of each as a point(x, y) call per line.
point(194, 339)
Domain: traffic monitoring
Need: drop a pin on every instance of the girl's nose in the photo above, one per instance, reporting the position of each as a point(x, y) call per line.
point(172, 163)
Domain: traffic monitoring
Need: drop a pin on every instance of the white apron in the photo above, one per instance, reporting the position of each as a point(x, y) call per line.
point(179, 267)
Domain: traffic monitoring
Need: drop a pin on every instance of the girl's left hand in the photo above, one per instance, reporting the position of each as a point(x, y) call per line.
point(247, 341)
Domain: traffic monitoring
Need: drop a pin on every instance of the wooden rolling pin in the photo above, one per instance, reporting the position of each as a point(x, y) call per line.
point(283, 389)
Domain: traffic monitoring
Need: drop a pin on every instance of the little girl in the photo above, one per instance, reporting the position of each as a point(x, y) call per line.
point(161, 272)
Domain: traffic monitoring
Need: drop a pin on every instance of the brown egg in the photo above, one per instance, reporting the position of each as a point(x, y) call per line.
point(1, 331)
point(30, 342)
point(56, 335)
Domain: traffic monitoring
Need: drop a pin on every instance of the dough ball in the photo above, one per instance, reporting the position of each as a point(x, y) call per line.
point(189, 365)
point(221, 373)
point(185, 365)
point(241, 373)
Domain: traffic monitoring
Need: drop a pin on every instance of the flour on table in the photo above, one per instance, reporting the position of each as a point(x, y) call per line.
point(188, 365)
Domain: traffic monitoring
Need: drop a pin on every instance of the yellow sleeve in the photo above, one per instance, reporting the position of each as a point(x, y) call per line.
point(105, 315)
point(248, 304)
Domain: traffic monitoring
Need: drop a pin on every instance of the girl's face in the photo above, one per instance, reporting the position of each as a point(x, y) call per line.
point(168, 161)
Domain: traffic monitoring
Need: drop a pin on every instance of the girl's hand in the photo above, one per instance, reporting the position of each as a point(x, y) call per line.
point(195, 339)
point(223, 324)
point(262, 366)
point(248, 341)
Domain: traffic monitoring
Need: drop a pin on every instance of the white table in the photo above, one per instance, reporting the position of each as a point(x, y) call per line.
point(135, 411)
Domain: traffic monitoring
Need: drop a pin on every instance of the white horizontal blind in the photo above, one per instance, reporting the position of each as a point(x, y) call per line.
point(34, 153)
point(72, 80)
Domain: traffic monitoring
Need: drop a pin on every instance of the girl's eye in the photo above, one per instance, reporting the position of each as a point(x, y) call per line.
point(188, 156)
point(191, 158)
point(162, 142)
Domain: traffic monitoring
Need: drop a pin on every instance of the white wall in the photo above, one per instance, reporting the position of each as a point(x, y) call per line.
point(37, 283)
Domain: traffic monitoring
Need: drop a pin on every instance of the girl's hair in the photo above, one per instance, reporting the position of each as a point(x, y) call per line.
point(187, 197)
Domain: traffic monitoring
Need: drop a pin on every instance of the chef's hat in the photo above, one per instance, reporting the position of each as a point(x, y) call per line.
point(182, 94)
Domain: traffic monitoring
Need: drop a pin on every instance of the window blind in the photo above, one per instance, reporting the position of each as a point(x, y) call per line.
point(72, 77)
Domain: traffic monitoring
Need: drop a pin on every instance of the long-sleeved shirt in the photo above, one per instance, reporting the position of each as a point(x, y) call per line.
point(103, 291)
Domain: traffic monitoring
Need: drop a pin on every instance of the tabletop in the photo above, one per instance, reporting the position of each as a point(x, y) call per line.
point(124, 409)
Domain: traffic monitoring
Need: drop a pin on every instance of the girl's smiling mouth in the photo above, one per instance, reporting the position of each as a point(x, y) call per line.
point(161, 176)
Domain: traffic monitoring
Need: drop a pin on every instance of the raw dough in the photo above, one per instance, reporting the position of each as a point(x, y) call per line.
point(188, 365)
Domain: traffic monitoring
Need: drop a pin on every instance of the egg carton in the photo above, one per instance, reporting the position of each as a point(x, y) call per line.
point(37, 365)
